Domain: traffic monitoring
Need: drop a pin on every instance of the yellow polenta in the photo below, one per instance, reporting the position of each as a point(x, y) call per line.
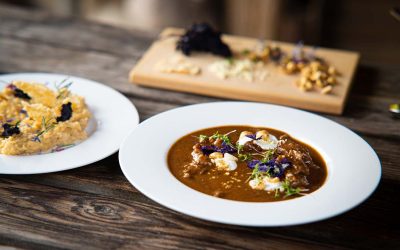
point(35, 119)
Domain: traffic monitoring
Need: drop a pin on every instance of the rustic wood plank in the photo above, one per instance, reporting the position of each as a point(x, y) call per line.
point(36, 206)
point(52, 218)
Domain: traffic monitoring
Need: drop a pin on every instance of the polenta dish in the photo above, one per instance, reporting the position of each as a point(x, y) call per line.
point(35, 119)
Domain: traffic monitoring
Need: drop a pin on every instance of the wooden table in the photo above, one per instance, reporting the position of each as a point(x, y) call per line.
point(96, 207)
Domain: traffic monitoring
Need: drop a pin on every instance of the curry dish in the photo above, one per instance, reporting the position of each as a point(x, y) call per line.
point(247, 164)
point(36, 119)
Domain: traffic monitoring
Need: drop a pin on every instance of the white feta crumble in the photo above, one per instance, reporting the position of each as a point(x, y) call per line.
point(227, 162)
point(270, 143)
point(243, 139)
point(267, 184)
point(264, 140)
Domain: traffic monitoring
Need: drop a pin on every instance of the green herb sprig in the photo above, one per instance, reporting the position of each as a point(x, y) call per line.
point(241, 156)
point(224, 137)
point(62, 88)
point(46, 127)
point(289, 190)
point(257, 174)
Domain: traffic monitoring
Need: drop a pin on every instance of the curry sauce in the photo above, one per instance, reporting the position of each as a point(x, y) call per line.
point(254, 171)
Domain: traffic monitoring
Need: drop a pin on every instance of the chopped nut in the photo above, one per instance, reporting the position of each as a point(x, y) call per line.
point(327, 90)
point(331, 80)
point(332, 70)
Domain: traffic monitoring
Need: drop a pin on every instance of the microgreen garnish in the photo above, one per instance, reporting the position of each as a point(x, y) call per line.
point(223, 137)
point(226, 147)
point(267, 156)
point(202, 138)
point(46, 127)
point(62, 88)
point(258, 173)
point(245, 157)
point(289, 190)
point(241, 156)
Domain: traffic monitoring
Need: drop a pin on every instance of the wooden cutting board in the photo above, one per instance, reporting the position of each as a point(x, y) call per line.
point(277, 87)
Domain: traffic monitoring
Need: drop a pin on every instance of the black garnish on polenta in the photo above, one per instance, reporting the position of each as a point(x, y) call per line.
point(21, 94)
point(66, 112)
point(10, 130)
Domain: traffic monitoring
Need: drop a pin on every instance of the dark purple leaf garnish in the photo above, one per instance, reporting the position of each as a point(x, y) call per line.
point(273, 167)
point(18, 92)
point(202, 37)
point(225, 148)
point(252, 164)
point(10, 130)
point(253, 137)
point(276, 54)
point(66, 112)
point(208, 149)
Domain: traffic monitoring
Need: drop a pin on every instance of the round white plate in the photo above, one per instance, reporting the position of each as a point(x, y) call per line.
point(353, 167)
point(114, 116)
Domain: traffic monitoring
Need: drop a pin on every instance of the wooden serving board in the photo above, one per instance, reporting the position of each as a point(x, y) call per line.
point(277, 87)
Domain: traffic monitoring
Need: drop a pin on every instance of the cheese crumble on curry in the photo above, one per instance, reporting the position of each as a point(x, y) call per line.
point(36, 119)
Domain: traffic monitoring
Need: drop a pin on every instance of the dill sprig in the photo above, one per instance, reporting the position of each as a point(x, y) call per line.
point(62, 88)
point(46, 127)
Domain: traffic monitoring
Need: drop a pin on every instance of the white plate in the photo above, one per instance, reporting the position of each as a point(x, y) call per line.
point(353, 167)
point(114, 116)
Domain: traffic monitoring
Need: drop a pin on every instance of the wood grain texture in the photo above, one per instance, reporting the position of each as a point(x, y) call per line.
point(95, 206)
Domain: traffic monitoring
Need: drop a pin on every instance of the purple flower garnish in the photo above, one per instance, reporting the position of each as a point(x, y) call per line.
point(252, 164)
point(273, 167)
point(23, 111)
point(225, 148)
point(36, 138)
point(208, 149)
point(253, 137)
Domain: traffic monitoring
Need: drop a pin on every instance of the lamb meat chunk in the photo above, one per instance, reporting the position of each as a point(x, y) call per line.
point(300, 158)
